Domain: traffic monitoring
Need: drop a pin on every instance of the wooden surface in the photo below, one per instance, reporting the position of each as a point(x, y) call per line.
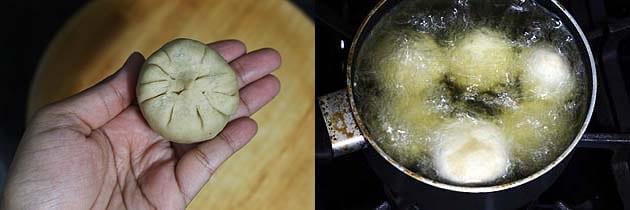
point(274, 171)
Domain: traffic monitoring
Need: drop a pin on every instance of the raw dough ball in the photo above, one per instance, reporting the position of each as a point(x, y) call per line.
point(483, 59)
point(546, 74)
point(187, 92)
point(471, 151)
point(409, 62)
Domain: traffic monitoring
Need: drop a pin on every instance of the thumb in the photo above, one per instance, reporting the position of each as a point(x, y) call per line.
point(98, 104)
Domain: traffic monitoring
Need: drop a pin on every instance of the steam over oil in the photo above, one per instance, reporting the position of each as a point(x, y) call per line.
point(471, 93)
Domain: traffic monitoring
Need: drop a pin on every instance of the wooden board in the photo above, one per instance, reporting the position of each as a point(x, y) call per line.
point(276, 170)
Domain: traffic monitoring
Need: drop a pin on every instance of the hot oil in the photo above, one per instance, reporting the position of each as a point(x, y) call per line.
point(407, 88)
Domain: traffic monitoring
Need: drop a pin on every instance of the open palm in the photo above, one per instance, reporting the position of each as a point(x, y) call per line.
point(95, 151)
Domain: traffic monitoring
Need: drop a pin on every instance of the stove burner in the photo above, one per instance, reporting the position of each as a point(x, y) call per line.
point(395, 202)
point(398, 202)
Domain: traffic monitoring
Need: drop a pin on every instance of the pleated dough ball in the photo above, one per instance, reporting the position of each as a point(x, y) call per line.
point(471, 151)
point(546, 74)
point(483, 59)
point(187, 92)
point(409, 62)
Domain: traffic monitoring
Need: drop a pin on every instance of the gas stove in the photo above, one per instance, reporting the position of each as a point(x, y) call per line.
point(597, 176)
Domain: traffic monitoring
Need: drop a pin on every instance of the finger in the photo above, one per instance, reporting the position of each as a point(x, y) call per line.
point(229, 49)
point(182, 149)
point(256, 64)
point(255, 95)
point(97, 105)
point(197, 166)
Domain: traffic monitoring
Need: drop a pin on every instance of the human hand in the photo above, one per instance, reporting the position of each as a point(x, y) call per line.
point(94, 150)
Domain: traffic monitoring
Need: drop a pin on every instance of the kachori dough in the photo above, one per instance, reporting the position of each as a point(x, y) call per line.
point(187, 92)
point(483, 59)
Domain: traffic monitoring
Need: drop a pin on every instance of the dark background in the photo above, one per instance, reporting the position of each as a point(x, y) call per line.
point(26, 29)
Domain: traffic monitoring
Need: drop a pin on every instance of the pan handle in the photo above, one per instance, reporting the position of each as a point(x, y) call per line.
point(345, 136)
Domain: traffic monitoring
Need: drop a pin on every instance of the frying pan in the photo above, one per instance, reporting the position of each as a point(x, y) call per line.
point(348, 133)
